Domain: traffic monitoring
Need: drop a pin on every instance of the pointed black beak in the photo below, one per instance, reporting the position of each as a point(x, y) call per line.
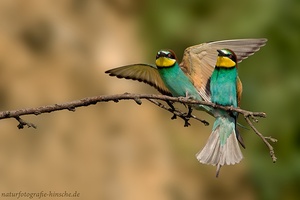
point(161, 54)
point(221, 53)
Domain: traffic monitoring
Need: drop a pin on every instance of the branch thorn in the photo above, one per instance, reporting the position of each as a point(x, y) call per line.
point(23, 123)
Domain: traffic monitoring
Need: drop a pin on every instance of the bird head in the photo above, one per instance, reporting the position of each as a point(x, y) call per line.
point(165, 58)
point(226, 58)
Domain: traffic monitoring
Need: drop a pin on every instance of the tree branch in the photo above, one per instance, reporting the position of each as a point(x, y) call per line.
point(71, 106)
point(264, 139)
point(177, 113)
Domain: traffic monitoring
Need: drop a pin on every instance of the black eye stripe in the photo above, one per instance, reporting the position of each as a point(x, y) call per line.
point(167, 54)
point(228, 53)
point(232, 57)
point(157, 55)
point(171, 55)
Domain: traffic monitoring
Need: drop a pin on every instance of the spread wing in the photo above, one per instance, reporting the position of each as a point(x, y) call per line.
point(143, 73)
point(199, 61)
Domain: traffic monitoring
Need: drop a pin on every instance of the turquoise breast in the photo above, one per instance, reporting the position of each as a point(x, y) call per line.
point(223, 86)
point(178, 83)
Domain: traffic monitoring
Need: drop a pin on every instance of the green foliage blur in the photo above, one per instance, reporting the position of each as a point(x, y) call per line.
point(271, 78)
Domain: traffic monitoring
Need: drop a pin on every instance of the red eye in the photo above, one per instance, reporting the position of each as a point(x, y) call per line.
point(166, 53)
point(171, 55)
point(233, 57)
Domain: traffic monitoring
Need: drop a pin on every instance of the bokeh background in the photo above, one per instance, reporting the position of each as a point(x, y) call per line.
point(54, 51)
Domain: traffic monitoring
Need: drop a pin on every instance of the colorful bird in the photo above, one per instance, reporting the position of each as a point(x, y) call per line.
point(190, 78)
point(197, 66)
point(226, 89)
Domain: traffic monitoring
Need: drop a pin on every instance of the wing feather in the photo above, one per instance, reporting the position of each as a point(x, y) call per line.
point(141, 72)
point(199, 61)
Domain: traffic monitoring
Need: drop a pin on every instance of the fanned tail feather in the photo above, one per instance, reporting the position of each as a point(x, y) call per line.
point(222, 147)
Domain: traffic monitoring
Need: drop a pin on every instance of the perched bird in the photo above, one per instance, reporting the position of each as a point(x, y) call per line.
point(226, 89)
point(191, 78)
point(197, 65)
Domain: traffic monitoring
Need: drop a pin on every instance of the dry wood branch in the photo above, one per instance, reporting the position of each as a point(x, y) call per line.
point(71, 106)
point(23, 123)
point(264, 139)
point(177, 113)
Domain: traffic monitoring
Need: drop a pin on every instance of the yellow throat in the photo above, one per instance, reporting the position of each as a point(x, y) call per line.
point(225, 62)
point(164, 62)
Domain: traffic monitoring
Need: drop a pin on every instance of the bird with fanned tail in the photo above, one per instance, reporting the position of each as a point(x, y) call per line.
point(222, 146)
point(192, 78)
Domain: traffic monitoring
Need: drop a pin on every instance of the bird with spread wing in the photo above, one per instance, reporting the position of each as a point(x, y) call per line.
point(192, 77)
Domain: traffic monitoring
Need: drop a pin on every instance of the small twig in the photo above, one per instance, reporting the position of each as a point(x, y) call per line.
point(264, 139)
point(177, 113)
point(172, 108)
point(138, 101)
point(23, 123)
point(271, 139)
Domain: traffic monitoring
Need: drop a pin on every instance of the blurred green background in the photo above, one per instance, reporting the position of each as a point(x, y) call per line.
point(53, 51)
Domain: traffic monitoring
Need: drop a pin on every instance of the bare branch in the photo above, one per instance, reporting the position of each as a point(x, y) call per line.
point(264, 139)
point(177, 113)
point(115, 98)
point(23, 123)
point(71, 106)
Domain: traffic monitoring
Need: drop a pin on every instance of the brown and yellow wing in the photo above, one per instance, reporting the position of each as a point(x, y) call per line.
point(199, 61)
point(143, 73)
point(239, 87)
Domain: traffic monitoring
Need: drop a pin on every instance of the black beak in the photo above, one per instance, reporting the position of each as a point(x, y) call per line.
point(221, 53)
point(162, 54)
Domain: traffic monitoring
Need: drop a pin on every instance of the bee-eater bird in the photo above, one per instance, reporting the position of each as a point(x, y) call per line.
point(190, 78)
point(198, 62)
point(222, 146)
